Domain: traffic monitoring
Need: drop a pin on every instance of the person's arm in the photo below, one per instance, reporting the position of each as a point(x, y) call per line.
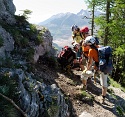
point(90, 59)
point(73, 35)
point(89, 63)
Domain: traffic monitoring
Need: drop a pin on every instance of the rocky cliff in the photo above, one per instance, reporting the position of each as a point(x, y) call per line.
point(21, 46)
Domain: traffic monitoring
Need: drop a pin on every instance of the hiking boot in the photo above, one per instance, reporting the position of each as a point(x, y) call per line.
point(101, 99)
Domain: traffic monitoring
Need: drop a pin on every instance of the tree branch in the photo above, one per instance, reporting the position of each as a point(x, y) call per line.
point(13, 103)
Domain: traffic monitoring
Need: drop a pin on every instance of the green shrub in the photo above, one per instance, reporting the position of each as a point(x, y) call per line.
point(16, 34)
point(52, 110)
point(20, 19)
point(116, 84)
point(120, 111)
point(24, 42)
point(7, 62)
point(29, 54)
point(33, 28)
point(8, 87)
point(85, 94)
point(39, 40)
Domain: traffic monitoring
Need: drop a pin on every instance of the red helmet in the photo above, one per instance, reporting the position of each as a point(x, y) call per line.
point(84, 29)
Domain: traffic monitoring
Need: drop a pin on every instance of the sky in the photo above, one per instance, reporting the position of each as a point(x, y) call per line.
point(44, 9)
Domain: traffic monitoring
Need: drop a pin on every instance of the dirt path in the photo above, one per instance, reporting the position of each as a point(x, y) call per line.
point(69, 85)
point(77, 103)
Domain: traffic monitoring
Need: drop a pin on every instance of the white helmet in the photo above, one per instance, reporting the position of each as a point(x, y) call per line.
point(76, 45)
point(89, 40)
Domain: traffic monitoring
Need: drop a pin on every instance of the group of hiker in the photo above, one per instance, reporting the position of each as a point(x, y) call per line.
point(85, 47)
point(86, 54)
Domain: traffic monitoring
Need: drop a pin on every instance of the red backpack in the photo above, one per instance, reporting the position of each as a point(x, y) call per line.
point(66, 56)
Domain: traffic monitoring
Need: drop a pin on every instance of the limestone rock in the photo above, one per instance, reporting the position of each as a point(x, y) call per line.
point(8, 44)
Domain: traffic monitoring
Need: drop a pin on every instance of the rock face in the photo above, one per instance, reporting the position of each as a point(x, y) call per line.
point(46, 46)
point(7, 6)
point(36, 98)
point(8, 44)
point(7, 10)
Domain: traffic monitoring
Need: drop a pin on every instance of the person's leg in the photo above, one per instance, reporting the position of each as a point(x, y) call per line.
point(84, 82)
point(104, 90)
point(82, 63)
point(103, 82)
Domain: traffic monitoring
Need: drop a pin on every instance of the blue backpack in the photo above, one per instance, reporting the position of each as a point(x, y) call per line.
point(105, 59)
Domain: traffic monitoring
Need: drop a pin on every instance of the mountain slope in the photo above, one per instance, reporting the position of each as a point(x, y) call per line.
point(60, 25)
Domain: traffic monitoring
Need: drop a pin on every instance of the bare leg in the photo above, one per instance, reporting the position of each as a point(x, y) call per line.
point(103, 81)
point(84, 82)
point(104, 90)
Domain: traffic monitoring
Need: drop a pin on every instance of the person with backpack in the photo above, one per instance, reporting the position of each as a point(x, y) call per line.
point(78, 62)
point(93, 56)
point(76, 34)
point(77, 38)
point(85, 31)
point(67, 57)
point(85, 48)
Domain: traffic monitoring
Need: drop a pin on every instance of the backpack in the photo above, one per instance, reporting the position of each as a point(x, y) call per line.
point(105, 59)
point(66, 56)
point(80, 34)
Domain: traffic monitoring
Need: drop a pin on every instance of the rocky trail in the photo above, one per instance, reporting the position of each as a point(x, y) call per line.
point(89, 105)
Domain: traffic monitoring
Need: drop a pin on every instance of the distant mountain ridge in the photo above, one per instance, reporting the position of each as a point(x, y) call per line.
point(60, 24)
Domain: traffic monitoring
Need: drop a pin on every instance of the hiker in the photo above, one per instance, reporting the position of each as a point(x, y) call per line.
point(77, 38)
point(93, 56)
point(85, 50)
point(85, 32)
point(78, 60)
point(76, 34)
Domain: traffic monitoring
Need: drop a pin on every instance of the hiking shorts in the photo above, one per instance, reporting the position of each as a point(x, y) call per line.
point(103, 79)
